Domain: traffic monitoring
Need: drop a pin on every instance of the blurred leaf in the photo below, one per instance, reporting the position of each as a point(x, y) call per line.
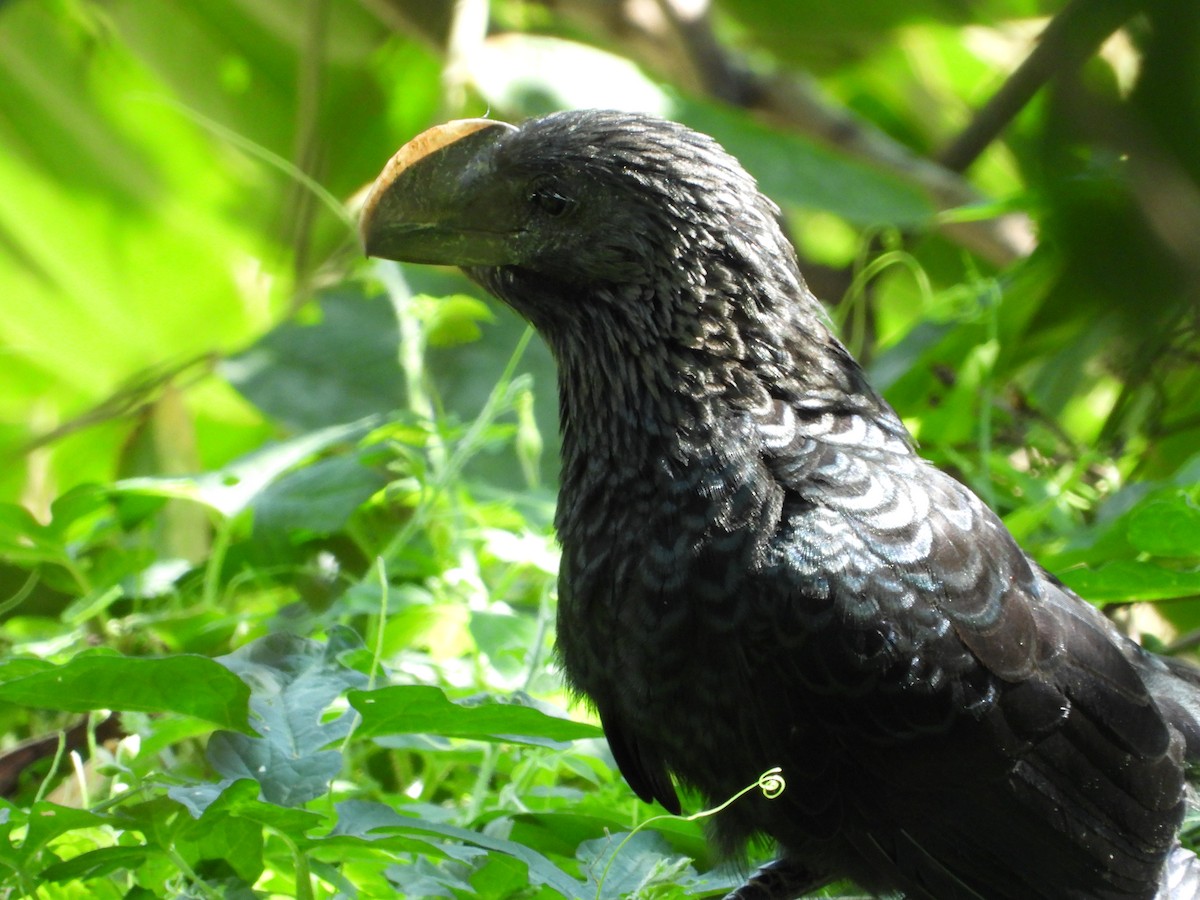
point(337, 366)
point(235, 488)
point(1123, 581)
point(825, 33)
point(1167, 527)
point(793, 170)
point(315, 500)
point(536, 75)
point(454, 320)
point(48, 821)
point(96, 863)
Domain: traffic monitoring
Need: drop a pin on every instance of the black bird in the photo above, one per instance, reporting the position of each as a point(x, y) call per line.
point(759, 571)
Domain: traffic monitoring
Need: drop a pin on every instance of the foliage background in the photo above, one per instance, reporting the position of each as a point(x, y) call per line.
point(288, 511)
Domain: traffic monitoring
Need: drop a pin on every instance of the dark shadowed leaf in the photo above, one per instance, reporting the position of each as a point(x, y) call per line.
point(315, 500)
point(337, 366)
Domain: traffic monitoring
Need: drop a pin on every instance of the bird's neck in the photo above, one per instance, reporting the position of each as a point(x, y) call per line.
point(637, 395)
point(633, 403)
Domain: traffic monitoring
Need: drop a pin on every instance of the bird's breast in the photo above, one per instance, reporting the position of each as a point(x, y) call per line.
point(658, 564)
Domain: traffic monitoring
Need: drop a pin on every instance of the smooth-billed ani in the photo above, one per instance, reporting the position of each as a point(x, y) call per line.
point(758, 570)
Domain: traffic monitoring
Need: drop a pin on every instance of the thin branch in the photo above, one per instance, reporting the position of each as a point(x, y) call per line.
point(17, 760)
point(679, 44)
point(675, 39)
point(300, 206)
point(129, 400)
point(1070, 39)
point(428, 22)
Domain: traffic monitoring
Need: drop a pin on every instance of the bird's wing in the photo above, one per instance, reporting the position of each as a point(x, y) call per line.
point(643, 769)
point(928, 585)
point(926, 618)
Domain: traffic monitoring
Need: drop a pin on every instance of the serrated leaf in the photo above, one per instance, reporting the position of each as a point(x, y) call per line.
point(619, 864)
point(293, 681)
point(287, 778)
point(185, 684)
point(425, 709)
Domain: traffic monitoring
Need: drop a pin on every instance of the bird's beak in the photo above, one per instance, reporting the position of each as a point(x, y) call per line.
point(428, 206)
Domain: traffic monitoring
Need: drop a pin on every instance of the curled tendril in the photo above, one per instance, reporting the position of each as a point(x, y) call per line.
point(771, 783)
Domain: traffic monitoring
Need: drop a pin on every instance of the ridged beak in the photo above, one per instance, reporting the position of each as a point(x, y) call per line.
point(430, 202)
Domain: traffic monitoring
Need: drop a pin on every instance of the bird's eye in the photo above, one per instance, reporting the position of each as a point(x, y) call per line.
point(550, 201)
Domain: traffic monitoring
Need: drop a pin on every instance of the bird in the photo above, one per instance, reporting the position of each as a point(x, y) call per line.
point(759, 571)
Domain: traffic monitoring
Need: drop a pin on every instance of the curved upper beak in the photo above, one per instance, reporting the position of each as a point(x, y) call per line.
point(428, 205)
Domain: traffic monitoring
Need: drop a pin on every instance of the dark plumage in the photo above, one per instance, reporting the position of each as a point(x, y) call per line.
point(757, 568)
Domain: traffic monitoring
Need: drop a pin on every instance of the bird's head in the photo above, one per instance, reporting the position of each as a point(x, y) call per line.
point(576, 209)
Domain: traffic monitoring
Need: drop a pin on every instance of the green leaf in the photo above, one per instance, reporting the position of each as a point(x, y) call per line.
point(620, 864)
point(337, 365)
point(1166, 527)
point(793, 170)
point(425, 709)
point(367, 822)
point(453, 320)
point(1124, 580)
point(23, 539)
point(293, 682)
point(96, 863)
point(541, 869)
point(231, 830)
point(235, 487)
point(102, 679)
point(314, 500)
point(211, 802)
